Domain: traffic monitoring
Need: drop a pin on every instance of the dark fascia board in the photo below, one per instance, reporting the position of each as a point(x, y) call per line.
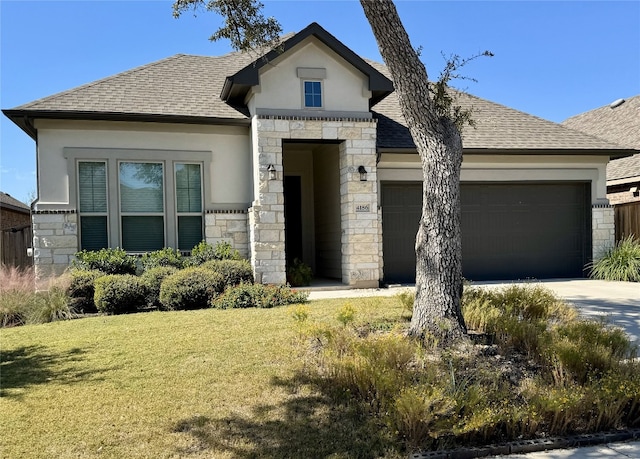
point(379, 85)
point(611, 153)
point(24, 118)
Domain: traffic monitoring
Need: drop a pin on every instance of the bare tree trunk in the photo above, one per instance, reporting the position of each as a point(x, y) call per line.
point(437, 309)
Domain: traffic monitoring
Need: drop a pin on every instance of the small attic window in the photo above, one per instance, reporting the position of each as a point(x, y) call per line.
point(312, 79)
point(313, 94)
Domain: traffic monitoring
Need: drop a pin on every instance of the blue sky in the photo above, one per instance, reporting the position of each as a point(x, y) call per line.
point(553, 59)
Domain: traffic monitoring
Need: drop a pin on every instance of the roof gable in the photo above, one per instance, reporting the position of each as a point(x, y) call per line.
point(237, 85)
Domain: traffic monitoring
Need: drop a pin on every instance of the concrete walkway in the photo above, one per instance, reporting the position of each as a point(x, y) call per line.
point(610, 451)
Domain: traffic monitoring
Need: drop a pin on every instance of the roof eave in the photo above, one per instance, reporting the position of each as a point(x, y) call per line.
point(21, 119)
point(611, 153)
point(24, 118)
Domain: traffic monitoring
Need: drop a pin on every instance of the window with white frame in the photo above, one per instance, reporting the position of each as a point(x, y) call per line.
point(93, 205)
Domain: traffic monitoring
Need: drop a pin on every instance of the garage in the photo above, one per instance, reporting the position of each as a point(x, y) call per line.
point(538, 230)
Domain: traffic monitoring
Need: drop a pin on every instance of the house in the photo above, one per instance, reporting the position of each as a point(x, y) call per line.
point(618, 123)
point(15, 232)
point(302, 153)
point(14, 214)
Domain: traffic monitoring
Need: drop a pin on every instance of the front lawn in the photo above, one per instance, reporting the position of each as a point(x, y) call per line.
point(333, 378)
point(198, 384)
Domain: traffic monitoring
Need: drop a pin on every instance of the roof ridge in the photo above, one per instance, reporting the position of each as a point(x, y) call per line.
point(99, 81)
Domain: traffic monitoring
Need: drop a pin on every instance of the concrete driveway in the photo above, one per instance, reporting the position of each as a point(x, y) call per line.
point(618, 302)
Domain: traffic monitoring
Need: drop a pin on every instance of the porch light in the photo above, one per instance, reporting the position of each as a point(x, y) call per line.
point(363, 173)
point(272, 172)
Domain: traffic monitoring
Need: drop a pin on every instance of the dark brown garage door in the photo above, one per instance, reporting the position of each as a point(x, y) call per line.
point(509, 230)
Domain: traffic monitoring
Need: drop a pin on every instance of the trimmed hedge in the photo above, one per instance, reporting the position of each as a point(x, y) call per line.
point(109, 261)
point(164, 257)
point(119, 293)
point(190, 288)
point(204, 252)
point(258, 296)
point(233, 272)
point(81, 289)
point(152, 279)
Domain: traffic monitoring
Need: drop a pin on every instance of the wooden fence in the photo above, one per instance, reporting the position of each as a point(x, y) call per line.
point(627, 217)
point(13, 247)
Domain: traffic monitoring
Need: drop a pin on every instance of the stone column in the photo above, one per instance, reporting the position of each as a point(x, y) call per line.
point(55, 242)
point(359, 205)
point(266, 216)
point(603, 229)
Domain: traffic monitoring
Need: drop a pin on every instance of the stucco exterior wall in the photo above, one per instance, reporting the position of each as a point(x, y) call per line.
point(227, 185)
point(228, 146)
point(505, 168)
point(345, 89)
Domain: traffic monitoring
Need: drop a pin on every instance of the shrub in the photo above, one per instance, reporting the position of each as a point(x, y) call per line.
point(81, 289)
point(299, 274)
point(622, 263)
point(109, 261)
point(152, 280)
point(586, 349)
point(204, 252)
point(517, 316)
point(163, 257)
point(119, 293)
point(190, 288)
point(346, 314)
point(233, 272)
point(258, 296)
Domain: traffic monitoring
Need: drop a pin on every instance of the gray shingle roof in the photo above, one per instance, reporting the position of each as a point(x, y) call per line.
point(8, 201)
point(620, 125)
point(181, 85)
point(497, 128)
point(188, 88)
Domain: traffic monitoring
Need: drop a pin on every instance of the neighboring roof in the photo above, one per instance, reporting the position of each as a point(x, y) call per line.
point(9, 202)
point(237, 85)
point(187, 89)
point(618, 123)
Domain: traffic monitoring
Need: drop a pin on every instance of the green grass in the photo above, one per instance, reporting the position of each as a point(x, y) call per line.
point(198, 384)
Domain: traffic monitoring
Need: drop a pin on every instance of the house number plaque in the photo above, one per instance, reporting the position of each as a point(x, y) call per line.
point(363, 208)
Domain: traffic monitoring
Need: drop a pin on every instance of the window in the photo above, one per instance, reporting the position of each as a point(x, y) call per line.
point(313, 94)
point(139, 200)
point(188, 181)
point(142, 206)
point(92, 192)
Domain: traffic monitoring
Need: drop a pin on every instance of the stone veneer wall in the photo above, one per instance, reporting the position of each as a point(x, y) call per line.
point(228, 226)
point(603, 229)
point(55, 241)
point(358, 202)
